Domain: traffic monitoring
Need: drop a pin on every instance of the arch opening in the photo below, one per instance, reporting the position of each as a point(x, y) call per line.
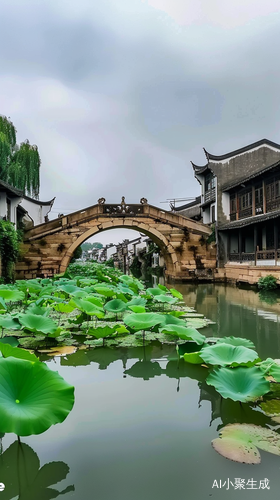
point(137, 227)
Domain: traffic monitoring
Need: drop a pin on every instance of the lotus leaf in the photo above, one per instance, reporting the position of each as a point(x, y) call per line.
point(163, 288)
point(3, 304)
point(126, 289)
point(11, 295)
point(10, 340)
point(270, 367)
point(7, 351)
point(36, 323)
point(137, 309)
point(184, 333)
point(240, 384)
point(94, 300)
point(115, 306)
point(239, 442)
point(137, 301)
point(165, 299)
point(32, 397)
point(176, 294)
point(36, 309)
point(101, 332)
point(226, 354)
point(87, 307)
point(121, 329)
point(193, 357)
point(64, 307)
point(235, 341)
point(104, 290)
point(271, 408)
point(169, 319)
point(154, 291)
point(142, 321)
point(9, 322)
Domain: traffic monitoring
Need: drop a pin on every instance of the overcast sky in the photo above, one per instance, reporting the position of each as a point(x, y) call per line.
point(120, 95)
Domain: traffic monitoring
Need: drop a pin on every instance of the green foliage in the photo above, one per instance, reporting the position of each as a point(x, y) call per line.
point(19, 166)
point(9, 249)
point(32, 397)
point(239, 384)
point(268, 282)
point(212, 237)
point(77, 254)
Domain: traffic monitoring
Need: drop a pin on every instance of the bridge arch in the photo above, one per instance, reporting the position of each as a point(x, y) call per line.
point(168, 251)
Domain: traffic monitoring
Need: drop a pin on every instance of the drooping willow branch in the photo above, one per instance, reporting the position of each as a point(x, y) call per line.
point(19, 165)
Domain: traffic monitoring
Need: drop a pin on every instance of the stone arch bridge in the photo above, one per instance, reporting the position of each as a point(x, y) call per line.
point(48, 248)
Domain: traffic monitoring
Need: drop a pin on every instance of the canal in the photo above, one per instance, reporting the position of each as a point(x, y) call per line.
point(142, 424)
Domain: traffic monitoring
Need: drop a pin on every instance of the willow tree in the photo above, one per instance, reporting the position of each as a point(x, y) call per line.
point(19, 165)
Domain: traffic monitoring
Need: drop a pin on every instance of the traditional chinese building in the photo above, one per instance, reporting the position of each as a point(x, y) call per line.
point(240, 193)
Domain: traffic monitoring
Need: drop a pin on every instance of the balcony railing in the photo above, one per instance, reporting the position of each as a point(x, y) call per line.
point(210, 195)
point(256, 257)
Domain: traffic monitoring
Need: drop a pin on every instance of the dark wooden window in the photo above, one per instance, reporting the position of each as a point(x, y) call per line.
point(273, 194)
point(245, 204)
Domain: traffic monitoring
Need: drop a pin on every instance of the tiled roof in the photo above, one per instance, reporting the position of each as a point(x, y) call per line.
point(254, 145)
point(249, 220)
point(232, 185)
point(197, 201)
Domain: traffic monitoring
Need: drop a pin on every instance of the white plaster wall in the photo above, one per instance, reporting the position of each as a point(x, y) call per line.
point(3, 205)
point(225, 204)
point(35, 211)
point(206, 215)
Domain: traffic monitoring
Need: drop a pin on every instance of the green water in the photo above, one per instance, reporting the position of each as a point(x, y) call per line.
point(142, 425)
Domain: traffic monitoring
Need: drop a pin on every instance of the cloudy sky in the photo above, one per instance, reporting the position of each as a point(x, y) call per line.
point(120, 95)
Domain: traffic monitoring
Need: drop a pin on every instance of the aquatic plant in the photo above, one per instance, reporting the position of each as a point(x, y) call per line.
point(32, 397)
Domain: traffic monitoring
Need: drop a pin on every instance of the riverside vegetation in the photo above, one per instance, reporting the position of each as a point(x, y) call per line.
point(95, 306)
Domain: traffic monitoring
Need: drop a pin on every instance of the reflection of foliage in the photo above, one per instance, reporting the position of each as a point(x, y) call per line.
point(77, 254)
point(268, 296)
point(268, 282)
point(135, 267)
point(21, 473)
point(144, 264)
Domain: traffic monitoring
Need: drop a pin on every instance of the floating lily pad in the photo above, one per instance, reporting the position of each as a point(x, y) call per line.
point(240, 442)
point(32, 397)
point(271, 408)
point(239, 384)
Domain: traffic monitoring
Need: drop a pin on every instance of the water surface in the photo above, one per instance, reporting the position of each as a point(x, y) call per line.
point(142, 424)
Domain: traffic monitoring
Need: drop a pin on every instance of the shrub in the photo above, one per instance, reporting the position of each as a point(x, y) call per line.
point(268, 282)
